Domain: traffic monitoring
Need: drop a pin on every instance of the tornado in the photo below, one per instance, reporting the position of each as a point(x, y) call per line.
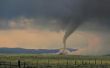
point(72, 26)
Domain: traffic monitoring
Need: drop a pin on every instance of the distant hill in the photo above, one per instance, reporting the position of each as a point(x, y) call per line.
point(27, 51)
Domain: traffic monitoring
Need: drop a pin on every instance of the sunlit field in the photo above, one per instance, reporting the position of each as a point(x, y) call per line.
point(53, 61)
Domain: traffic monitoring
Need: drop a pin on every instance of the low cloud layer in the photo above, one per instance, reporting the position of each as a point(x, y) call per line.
point(61, 13)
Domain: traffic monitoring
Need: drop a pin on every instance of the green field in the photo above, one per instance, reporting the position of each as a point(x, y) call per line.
point(54, 61)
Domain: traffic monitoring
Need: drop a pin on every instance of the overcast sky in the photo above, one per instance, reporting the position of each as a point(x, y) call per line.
point(43, 23)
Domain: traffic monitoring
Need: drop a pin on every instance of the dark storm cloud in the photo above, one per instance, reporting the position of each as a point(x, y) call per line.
point(64, 10)
point(33, 8)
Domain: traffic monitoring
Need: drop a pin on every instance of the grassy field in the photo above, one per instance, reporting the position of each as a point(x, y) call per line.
point(53, 61)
